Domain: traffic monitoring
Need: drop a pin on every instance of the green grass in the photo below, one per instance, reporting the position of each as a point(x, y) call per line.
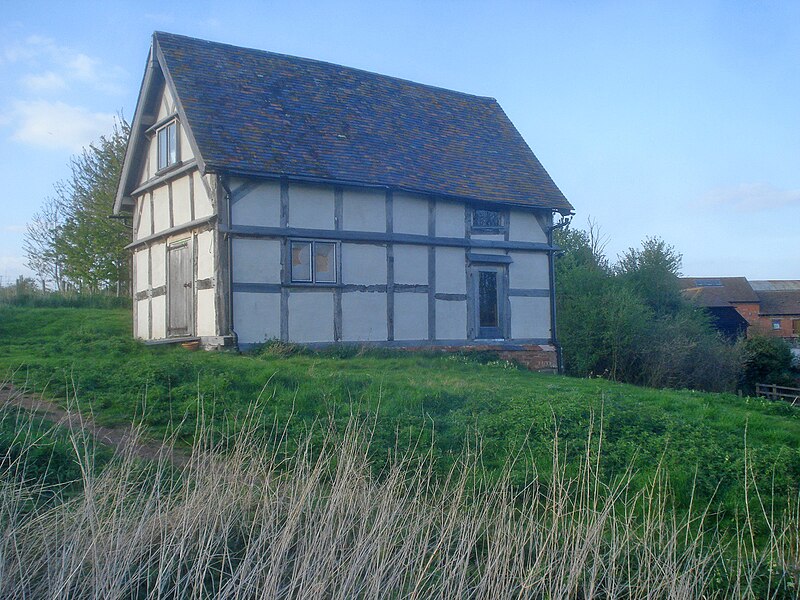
point(446, 400)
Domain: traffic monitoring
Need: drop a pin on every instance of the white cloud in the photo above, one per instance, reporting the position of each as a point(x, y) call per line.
point(752, 197)
point(57, 125)
point(44, 82)
point(13, 228)
point(53, 67)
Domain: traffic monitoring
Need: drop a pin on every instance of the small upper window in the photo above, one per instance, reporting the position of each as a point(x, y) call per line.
point(776, 324)
point(485, 220)
point(167, 145)
point(322, 269)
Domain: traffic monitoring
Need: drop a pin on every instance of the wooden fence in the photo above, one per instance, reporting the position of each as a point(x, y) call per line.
point(778, 392)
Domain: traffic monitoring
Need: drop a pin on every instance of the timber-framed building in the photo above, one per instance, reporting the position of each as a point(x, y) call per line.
point(276, 197)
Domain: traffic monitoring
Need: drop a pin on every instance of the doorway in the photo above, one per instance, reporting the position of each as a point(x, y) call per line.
point(180, 305)
point(489, 299)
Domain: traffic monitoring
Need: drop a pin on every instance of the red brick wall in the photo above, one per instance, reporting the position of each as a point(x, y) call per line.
point(762, 325)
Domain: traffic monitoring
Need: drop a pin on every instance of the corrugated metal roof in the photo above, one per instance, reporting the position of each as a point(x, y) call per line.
point(259, 113)
point(776, 285)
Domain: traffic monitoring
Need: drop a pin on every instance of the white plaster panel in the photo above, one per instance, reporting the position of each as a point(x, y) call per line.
point(158, 263)
point(524, 227)
point(449, 219)
point(185, 148)
point(151, 160)
point(530, 317)
point(159, 317)
point(363, 264)
point(166, 106)
point(410, 214)
point(311, 317)
point(142, 319)
point(205, 254)
point(311, 206)
point(411, 264)
point(142, 267)
point(364, 210)
point(256, 317)
point(256, 261)
point(451, 320)
point(161, 208)
point(451, 272)
point(363, 316)
point(203, 206)
point(145, 228)
point(411, 316)
point(206, 313)
point(181, 202)
point(260, 205)
point(529, 270)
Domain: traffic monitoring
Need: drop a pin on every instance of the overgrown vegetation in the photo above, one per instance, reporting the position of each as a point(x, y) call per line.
point(438, 401)
point(246, 518)
point(628, 321)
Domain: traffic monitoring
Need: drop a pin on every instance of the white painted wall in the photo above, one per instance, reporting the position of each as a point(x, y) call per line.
point(363, 316)
point(451, 320)
point(161, 208)
point(410, 264)
point(450, 219)
point(158, 263)
point(142, 319)
point(410, 316)
point(364, 210)
point(529, 271)
point(205, 254)
point(257, 317)
point(451, 271)
point(311, 317)
point(206, 313)
point(141, 269)
point(410, 214)
point(203, 203)
point(524, 227)
point(181, 201)
point(530, 317)
point(145, 228)
point(159, 307)
point(311, 207)
point(260, 205)
point(256, 260)
point(363, 264)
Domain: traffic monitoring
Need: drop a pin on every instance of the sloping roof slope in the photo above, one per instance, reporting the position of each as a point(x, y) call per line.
point(718, 291)
point(258, 113)
point(779, 302)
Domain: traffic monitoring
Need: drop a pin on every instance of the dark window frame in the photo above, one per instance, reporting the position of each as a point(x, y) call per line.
point(314, 281)
point(499, 228)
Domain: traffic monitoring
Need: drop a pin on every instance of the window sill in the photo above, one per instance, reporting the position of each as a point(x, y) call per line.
point(167, 170)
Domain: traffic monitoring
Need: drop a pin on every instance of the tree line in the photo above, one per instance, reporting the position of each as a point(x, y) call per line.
point(628, 321)
point(72, 243)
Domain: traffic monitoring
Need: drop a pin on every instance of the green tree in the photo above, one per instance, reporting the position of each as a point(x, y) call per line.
point(652, 272)
point(39, 244)
point(91, 243)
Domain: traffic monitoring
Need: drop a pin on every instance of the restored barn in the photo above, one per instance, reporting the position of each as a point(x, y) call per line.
point(276, 197)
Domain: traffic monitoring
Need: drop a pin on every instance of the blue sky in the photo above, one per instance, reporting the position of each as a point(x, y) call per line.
point(671, 119)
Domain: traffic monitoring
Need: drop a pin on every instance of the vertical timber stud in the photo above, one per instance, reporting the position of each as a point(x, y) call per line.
point(468, 273)
point(195, 312)
point(191, 196)
point(285, 261)
point(431, 271)
point(552, 276)
point(223, 258)
point(338, 212)
point(389, 268)
point(171, 209)
point(149, 291)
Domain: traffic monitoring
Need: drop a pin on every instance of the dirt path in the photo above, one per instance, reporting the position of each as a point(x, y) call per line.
point(122, 439)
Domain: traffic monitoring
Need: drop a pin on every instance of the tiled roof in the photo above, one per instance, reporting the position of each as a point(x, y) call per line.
point(259, 113)
point(718, 291)
point(779, 302)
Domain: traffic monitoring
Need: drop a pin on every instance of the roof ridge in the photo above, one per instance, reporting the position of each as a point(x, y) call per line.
point(489, 99)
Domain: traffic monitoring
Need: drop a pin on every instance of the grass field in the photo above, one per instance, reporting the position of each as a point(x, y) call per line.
point(423, 399)
point(506, 483)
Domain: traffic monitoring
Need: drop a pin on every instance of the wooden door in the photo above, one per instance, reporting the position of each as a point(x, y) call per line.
point(180, 305)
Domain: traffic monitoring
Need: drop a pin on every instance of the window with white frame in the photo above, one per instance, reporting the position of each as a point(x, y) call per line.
point(167, 145)
point(776, 324)
point(313, 261)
